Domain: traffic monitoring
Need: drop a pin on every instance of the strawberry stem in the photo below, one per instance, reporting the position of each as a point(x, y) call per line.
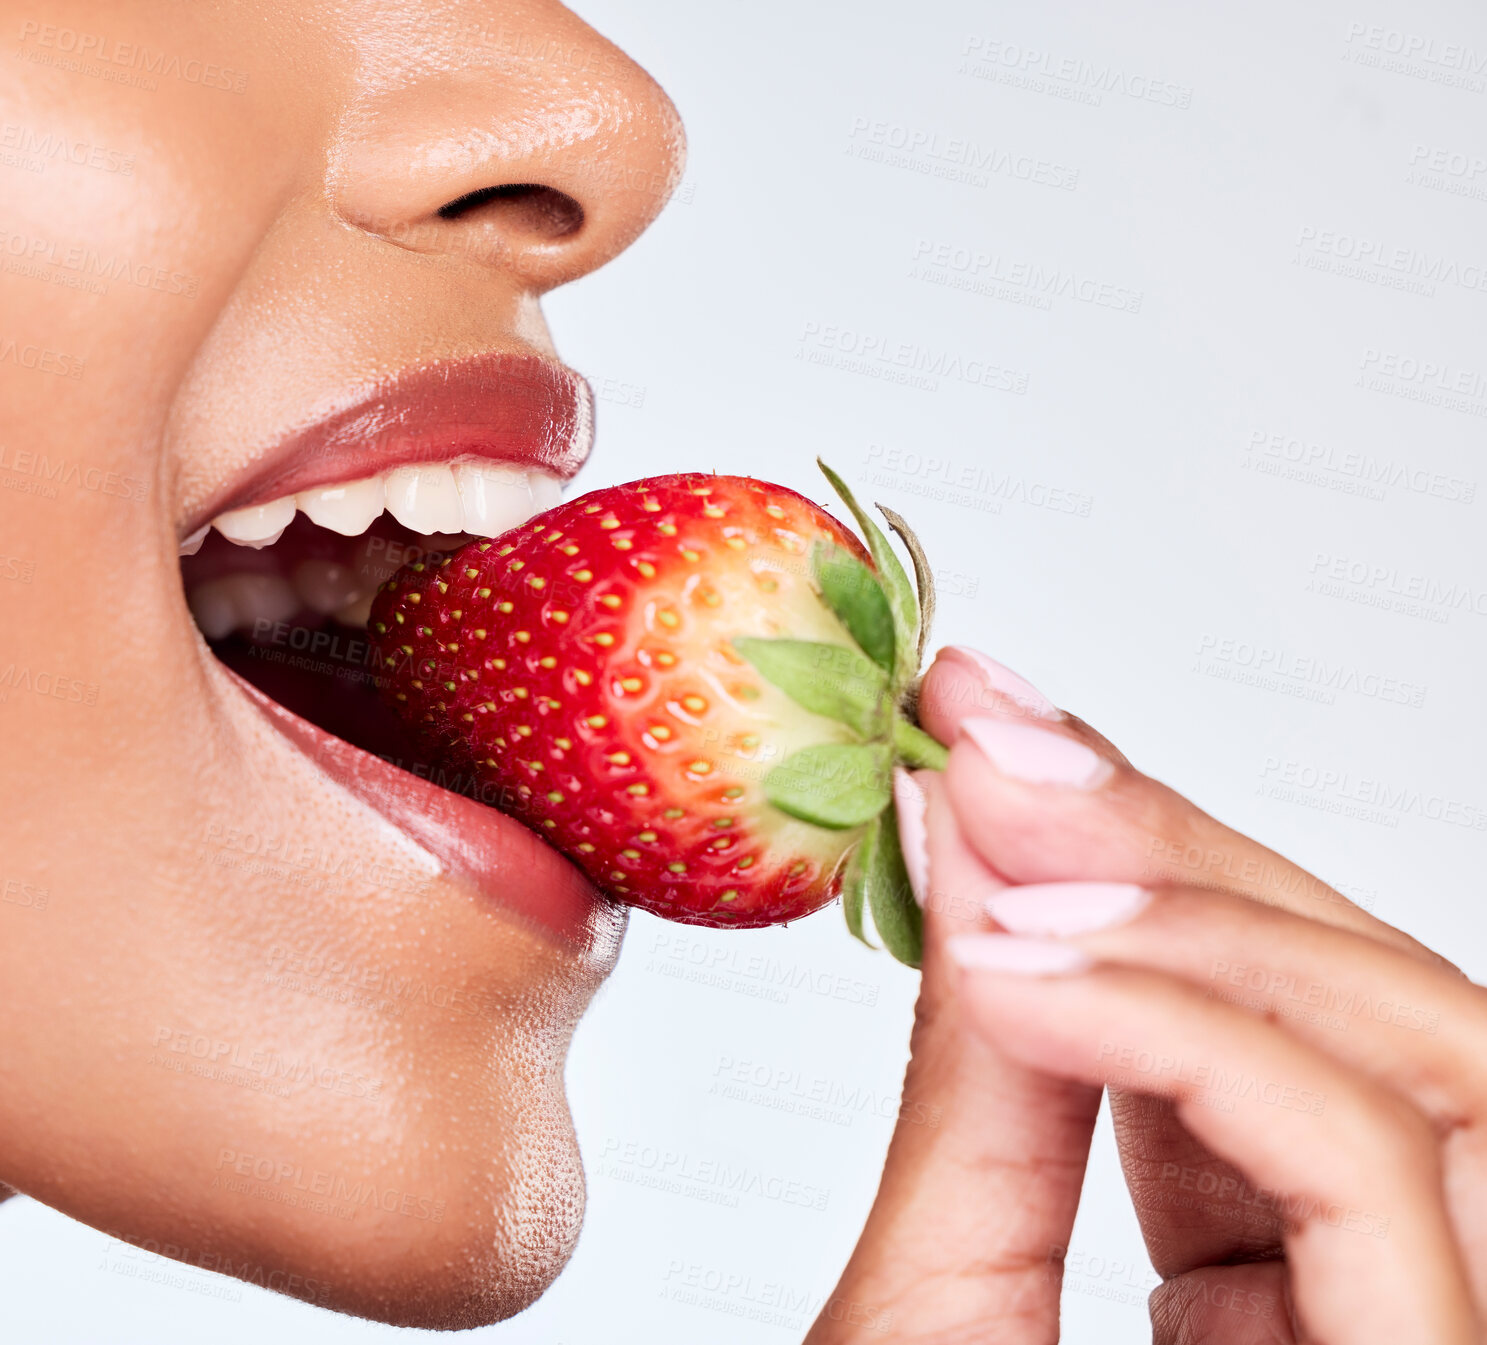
point(914, 747)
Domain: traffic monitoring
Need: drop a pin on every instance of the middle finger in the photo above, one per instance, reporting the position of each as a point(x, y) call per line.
point(1416, 1027)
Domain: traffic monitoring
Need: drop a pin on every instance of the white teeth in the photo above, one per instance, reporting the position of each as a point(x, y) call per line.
point(471, 497)
point(496, 499)
point(442, 541)
point(326, 587)
point(424, 498)
point(347, 509)
point(192, 544)
point(239, 602)
point(547, 493)
point(259, 525)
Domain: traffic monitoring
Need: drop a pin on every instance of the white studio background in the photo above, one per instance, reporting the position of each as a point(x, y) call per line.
point(1193, 306)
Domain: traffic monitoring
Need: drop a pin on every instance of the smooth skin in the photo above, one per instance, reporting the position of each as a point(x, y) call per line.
point(269, 215)
point(182, 888)
point(1298, 1088)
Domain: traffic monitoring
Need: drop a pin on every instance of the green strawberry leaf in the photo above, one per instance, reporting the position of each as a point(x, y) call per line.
point(924, 579)
point(853, 592)
point(854, 885)
point(896, 586)
point(915, 748)
point(834, 785)
point(834, 680)
point(896, 915)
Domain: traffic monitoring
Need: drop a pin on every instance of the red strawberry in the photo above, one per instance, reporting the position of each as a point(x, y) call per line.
point(690, 685)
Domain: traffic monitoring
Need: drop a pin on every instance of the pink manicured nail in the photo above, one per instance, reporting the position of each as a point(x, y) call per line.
point(1016, 957)
point(1001, 683)
point(913, 837)
point(1036, 755)
point(1058, 910)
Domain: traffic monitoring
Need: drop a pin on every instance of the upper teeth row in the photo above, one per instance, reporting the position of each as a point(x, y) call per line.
point(474, 497)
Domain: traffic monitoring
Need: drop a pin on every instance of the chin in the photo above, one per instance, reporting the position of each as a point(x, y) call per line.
point(504, 1229)
point(437, 1184)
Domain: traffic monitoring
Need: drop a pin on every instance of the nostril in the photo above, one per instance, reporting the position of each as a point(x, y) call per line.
point(523, 207)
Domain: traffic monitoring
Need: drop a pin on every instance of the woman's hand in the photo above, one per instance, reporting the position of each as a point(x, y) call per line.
point(1299, 1089)
point(982, 1178)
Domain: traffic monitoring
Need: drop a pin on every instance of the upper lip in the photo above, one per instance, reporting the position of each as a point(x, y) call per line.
point(523, 409)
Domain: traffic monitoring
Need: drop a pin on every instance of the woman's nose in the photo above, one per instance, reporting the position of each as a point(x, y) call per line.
point(512, 137)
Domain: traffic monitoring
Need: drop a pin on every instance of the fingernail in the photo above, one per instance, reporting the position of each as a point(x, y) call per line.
point(1002, 684)
point(1014, 956)
point(1036, 755)
point(1058, 910)
point(913, 835)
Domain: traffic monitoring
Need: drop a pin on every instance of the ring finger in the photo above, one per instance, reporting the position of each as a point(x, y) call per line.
point(1354, 1167)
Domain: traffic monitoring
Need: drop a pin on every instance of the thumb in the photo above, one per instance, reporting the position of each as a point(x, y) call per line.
point(982, 1177)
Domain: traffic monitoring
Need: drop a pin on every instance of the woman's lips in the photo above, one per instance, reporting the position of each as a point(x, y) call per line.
point(507, 862)
point(524, 410)
point(518, 409)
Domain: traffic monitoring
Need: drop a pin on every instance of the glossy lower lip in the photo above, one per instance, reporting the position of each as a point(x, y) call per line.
point(520, 409)
point(509, 865)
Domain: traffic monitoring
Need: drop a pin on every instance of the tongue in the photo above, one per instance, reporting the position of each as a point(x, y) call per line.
point(332, 686)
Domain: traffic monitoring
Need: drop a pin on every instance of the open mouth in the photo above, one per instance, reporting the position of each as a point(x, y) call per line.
point(287, 609)
point(280, 578)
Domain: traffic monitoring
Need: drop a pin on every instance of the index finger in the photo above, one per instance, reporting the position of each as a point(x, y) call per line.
point(1114, 824)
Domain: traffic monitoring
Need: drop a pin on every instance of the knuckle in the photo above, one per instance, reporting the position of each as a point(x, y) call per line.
point(1101, 744)
point(1399, 1131)
point(1171, 845)
point(1221, 1302)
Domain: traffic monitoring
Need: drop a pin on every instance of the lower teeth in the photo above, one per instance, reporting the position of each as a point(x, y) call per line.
point(239, 601)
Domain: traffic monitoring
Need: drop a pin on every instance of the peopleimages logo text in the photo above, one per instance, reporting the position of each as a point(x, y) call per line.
point(1418, 47)
point(88, 265)
point(1094, 77)
point(1374, 256)
point(872, 352)
point(960, 152)
point(1438, 375)
point(1407, 800)
point(1287, 666)
point(153, 63)
point(1050, 281)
